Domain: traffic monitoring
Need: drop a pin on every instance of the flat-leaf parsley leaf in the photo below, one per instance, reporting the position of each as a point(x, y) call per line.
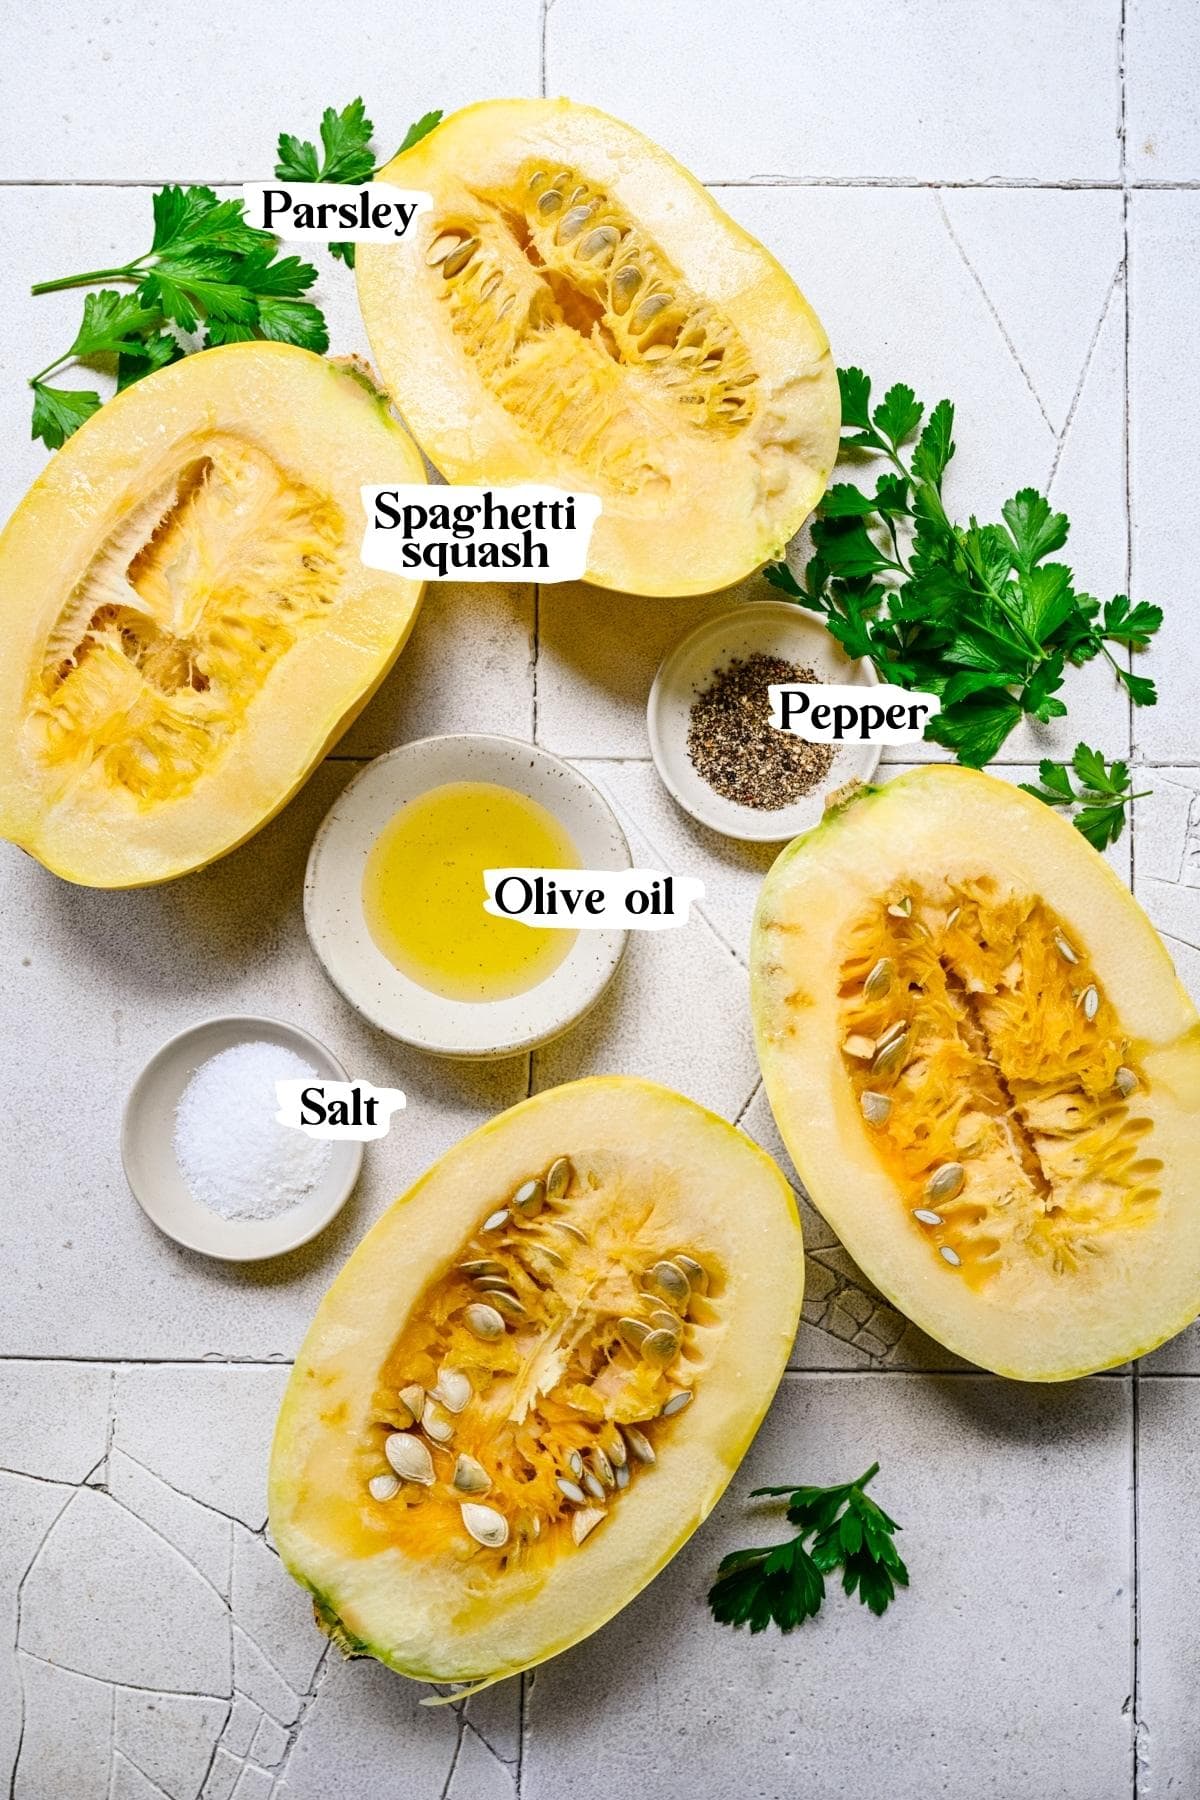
point(784, 1584)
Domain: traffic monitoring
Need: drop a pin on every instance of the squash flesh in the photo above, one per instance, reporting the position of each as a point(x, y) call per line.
point(401, 1578)
point(189, 624)
point(1051, 1059)
point(576, 309)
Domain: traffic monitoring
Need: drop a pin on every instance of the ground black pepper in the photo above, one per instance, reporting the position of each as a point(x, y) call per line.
point(735, 747)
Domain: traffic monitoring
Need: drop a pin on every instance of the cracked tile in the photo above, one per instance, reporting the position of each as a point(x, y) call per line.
point(253, 1784)
point(478, 1774)
point(203, 1537)
point(169, 1737)
point(204, 1429)
point(222, 1777)
point(1164, 398)
point(107, 1597)
point(732, 873)
point(970, 1663)
point(1050, 298)
point(275, 1611)
point(370, 1720)
point(68, 1732)
point(54, 1418)
point(129, 1783)
point(1168, 866)
point(28, 1509)
point(254, 1675)
point(270, 1742)
point(845, 91)
point(244, 1720)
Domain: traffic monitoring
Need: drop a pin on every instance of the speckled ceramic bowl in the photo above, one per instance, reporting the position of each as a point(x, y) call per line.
point(337, 927)
point(757, 627)
point(157, 1181)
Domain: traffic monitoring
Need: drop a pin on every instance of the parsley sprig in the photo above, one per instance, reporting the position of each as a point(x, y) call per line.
point(975, 614)
point(1099, 803)
point(205, 265)
point(784, 1584)
point(346, 153)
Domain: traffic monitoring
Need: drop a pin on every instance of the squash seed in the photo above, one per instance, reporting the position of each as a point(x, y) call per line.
point(902, 908)
point(575, 1463)
point(1125, 1082)
point(413, 1399)
point(495, 1220)
point(950, 1256)
point(507, 1303)
point(593, 1486)
point(889, 1058)
point(453, 1389)
point(633, 1332)
point(605, 237)
point(1089, 1000)
point(470, 1476)
point(875, 1107)
point(676, 1403)
point(481, 1266)
point(458, 259)
point(410, 1458)
point(621, 1474)
point(384, 1487)
point(945, 1182)
point(860, 1047)
point(661, 1319)
point(696, 1273)
point(574, 221)
point(570, 1490)
point(484, 1321)
point(495, 1284)
point(660, 1347)
point(1065, 948)
point(571, 1229)
point(441, 247)
point(435, 1424)
point(638, 1444)
point(585, 1522)
point(602, 1466)
point(626, 283)
point(925, 1216)
point(669, 1280)
point(487, 1526)
point(647, 310)
point(558, 1179)
point(879, 981)
point(550, 201)
point(529, 1199)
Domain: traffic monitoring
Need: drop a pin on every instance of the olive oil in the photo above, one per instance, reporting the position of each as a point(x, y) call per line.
point(423, 890)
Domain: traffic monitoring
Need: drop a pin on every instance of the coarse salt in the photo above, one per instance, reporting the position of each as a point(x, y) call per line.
point(234, 1155)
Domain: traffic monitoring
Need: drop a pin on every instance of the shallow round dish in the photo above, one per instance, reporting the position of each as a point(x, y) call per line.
point(760, 627)
point(148, 1150)
point(337, 927)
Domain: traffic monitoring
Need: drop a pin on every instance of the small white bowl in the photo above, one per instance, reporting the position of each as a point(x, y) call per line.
point(759, 627)
point(337, 927)
point(148, 1146)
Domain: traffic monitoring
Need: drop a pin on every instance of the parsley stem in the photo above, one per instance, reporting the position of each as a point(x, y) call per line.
point(130, 272)
point(48, 370)
point(869, 1476)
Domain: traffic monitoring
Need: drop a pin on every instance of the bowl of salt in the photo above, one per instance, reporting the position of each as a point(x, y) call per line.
point(205, 1156)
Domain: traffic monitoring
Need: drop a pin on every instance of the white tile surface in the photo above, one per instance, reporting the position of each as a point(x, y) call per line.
point(847, 88)
point(1162, 47)
point(974, 1697)
point(138, 1385)
point(1164, 393)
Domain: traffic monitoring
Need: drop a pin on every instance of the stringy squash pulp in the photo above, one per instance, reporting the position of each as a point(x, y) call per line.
point(577, 310)
point(187, 624)
point(986, 1071)
point(534, 1378)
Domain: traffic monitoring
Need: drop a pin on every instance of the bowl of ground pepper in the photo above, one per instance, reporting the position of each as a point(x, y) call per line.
point(711, 735)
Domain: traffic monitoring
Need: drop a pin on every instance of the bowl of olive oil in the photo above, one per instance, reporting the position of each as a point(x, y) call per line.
point(394, 894)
